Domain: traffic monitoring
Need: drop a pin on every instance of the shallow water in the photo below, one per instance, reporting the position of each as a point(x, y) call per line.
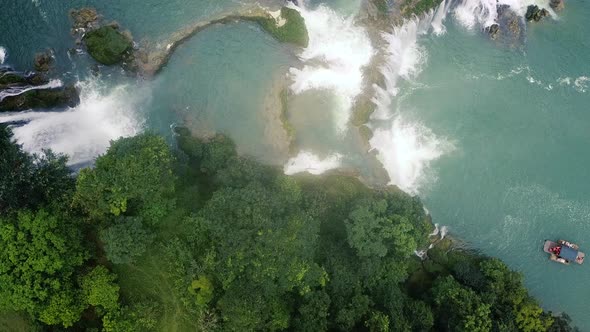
point(493, 138)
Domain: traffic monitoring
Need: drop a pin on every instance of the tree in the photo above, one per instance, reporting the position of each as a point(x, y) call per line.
point(313, 312)
point(126, 240)
point(377, 322)
point(134, 177)
point(372, 231)
point(28, 181)
point(40, 253)
point(420, 315)
point(529, 318)
point(461, 308)
point(100, 290)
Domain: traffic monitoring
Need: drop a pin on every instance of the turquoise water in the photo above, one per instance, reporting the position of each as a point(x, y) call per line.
point(493, 138)
point(520, 172)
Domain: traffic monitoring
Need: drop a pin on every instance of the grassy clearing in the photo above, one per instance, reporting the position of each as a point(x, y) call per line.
point(153, 280)
point(15, 322)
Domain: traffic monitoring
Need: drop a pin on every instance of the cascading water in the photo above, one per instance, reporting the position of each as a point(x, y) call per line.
point(2, 55)
point(405, 147)
point(337, 52)
point(82, 132)
point(306, 161)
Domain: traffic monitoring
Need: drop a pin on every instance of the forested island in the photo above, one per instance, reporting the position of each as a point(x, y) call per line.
point(189, 236)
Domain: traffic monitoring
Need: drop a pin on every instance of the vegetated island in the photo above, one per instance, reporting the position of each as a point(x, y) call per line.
point(193, 237)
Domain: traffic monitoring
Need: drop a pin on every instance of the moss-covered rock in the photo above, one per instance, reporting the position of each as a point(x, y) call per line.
point(288, 28)
point(42, 98)
point(107, 45)
point(10, 78)
point(418, 7)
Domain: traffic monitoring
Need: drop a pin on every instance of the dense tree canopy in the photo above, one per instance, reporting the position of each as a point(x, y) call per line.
point(200, 239)
point(133, 177)
point(39, 256)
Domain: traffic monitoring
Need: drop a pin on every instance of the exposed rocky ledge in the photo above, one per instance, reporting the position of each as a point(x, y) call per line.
point(23, 91)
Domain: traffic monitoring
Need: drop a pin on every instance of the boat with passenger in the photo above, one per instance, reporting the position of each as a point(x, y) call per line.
point(563, 252)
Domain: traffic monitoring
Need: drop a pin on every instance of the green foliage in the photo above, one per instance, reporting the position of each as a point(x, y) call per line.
point(292, 31)
point(100, 290)
point(39, 255)
point(462, 307)
point(248, 248)
point(209, 156)
point(373, 232)
point(107, 45)
point(420, 314)
point(126, 240)
point(529, 318)
point(134, 177)
point(378, 322)
point(202, 288)
point(313, 312)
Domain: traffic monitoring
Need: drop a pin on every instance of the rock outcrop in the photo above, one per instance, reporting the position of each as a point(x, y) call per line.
point(534, 13)
point(108, 46)
point(41, 98)
point(24, 91)
point(104, 41)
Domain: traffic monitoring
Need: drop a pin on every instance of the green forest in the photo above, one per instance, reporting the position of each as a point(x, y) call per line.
point(189, 236)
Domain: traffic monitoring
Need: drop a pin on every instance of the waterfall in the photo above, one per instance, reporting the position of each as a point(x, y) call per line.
point(2, 54)
point(82, 132)
point(405, 146)
point(334, 60)
point(306, 161)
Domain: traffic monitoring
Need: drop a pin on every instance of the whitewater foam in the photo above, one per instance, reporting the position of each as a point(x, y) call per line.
point(337, 52)
point(82, 132)
point(306, 161)
point(404, 59)
point(406, 150)
point(15, 91)
point(2, 55)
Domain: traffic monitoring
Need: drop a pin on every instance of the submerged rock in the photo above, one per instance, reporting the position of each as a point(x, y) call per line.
point(84, 18)
point(493, 30)
point(556, 4)
point(22, 91)
point(43, 61)
point(108, 46)
point(509, 28)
